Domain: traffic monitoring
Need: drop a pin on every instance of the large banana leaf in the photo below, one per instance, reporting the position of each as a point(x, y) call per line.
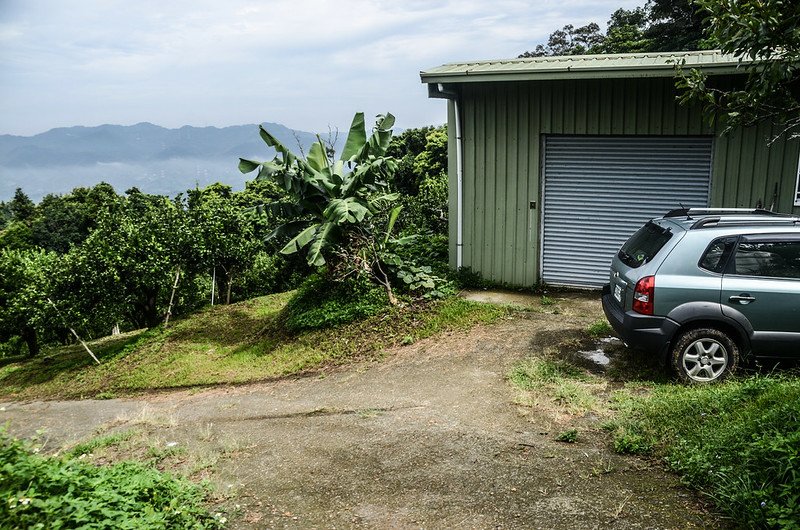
point(246, 166)
point(356, 138)
point(290, 229)
point(301, 240)
point(323, 240)
point(317, 158)
point(334, 195)
point(350, 210)
point(395, 213)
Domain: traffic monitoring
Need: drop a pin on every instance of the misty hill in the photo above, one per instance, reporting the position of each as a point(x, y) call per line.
point(152, 158)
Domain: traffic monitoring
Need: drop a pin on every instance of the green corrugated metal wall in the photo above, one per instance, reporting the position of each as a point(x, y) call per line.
point(502, 128)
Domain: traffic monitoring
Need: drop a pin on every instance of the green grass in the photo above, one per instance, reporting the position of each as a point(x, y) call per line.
point(599, 328)
point(546, 300)
point(739, 441)
point(100, 442)
point(229, 344)
point(569, 436)
point(557, 382)
point(52, 492)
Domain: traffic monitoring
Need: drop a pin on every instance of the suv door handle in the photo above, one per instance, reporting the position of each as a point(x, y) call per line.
point(743, 299)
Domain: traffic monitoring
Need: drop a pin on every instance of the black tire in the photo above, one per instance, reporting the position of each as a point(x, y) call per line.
point(704, 355)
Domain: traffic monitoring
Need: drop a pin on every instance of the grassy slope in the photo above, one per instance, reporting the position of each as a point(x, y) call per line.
point(226, 344)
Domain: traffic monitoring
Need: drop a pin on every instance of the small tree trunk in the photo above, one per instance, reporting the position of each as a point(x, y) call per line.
point(390, 294)
point(230, 284)
point(31, 338)
point(172, 296)
point(383, 279)
point(213, 284)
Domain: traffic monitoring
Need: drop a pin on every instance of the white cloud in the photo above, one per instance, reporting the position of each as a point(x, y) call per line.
point(305, 63)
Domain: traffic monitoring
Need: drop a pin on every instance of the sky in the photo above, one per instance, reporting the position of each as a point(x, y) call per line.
point(308, 64)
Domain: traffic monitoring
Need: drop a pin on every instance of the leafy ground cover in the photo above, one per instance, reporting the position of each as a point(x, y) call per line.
point(64, 492)
point(738, 442)
point(238, 343)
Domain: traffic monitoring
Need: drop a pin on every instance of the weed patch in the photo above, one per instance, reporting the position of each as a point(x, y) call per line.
point(557, 382)
point(49, 492)
point(599, 328)
point(569, 436)
point(738, 441)
point(318, 304)
point(99, 443)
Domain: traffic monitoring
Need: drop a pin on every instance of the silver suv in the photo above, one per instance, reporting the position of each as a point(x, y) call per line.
point(704, 287)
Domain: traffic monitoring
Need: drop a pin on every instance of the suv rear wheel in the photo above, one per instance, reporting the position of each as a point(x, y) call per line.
point(704, 355)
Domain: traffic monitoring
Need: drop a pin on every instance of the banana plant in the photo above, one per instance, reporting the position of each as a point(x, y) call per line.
point(329, 198)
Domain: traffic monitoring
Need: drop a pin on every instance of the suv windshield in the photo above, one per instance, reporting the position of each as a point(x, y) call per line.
point(644, 245)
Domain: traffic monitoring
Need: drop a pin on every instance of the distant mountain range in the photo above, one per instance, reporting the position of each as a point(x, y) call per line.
point(151, 158)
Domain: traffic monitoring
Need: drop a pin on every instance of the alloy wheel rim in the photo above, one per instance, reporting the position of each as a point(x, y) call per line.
point(704, 360)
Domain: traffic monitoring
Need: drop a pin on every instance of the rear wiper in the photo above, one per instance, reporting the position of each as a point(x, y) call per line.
point(660, 228)
point(626, 258)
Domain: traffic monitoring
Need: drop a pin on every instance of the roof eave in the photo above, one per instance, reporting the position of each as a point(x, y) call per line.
point(544, 75)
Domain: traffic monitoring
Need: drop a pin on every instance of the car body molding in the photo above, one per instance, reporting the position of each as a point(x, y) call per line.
point(711, 311)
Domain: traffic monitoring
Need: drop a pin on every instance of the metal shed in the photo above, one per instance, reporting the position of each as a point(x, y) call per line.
point(555, 161)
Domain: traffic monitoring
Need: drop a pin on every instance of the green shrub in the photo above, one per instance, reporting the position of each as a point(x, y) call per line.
point(269, 273)
point(427, 210)
point(466, 278)
point(739, 441)
point(11, 348)
point(321, 303)
point(600, 328)
point(42, 492)
point(570, 436)
point(429, 250)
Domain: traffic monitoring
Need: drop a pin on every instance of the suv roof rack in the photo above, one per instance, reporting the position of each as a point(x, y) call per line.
point(689, 212)
point(715, 221)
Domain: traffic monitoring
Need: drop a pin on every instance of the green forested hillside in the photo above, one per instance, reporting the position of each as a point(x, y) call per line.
point(94, 259)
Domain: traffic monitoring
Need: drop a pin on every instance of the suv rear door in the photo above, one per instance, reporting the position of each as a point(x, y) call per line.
point(762, 282)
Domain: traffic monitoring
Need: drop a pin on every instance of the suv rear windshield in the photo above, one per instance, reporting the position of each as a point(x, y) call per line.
point(644, 245)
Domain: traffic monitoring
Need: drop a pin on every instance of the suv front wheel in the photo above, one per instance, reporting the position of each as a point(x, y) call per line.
point(704, 355)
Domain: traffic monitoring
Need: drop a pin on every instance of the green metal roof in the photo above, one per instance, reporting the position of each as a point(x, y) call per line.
point(656, 64)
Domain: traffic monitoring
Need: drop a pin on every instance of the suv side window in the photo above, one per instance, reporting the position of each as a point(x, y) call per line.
point(770, 256)
point(717, 254)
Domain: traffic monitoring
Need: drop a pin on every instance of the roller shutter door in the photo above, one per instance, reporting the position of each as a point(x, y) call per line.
point(599, 190)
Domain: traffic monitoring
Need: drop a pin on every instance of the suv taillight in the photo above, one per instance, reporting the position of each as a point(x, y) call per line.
point(643, 298)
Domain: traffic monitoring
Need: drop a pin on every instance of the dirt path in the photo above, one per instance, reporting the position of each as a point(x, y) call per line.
point(428, 438)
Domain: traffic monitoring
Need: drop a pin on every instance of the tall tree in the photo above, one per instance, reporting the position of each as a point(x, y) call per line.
point(675, 25)
point(24, 290)
point(658, 26)
point(570, 40)
point(223, 235)
point(22, 207)
point(767, 31)
point(5, 214)
point(626, 32)
point(132, 255)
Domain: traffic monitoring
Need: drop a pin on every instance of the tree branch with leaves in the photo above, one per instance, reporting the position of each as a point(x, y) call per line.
point(767, 32)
